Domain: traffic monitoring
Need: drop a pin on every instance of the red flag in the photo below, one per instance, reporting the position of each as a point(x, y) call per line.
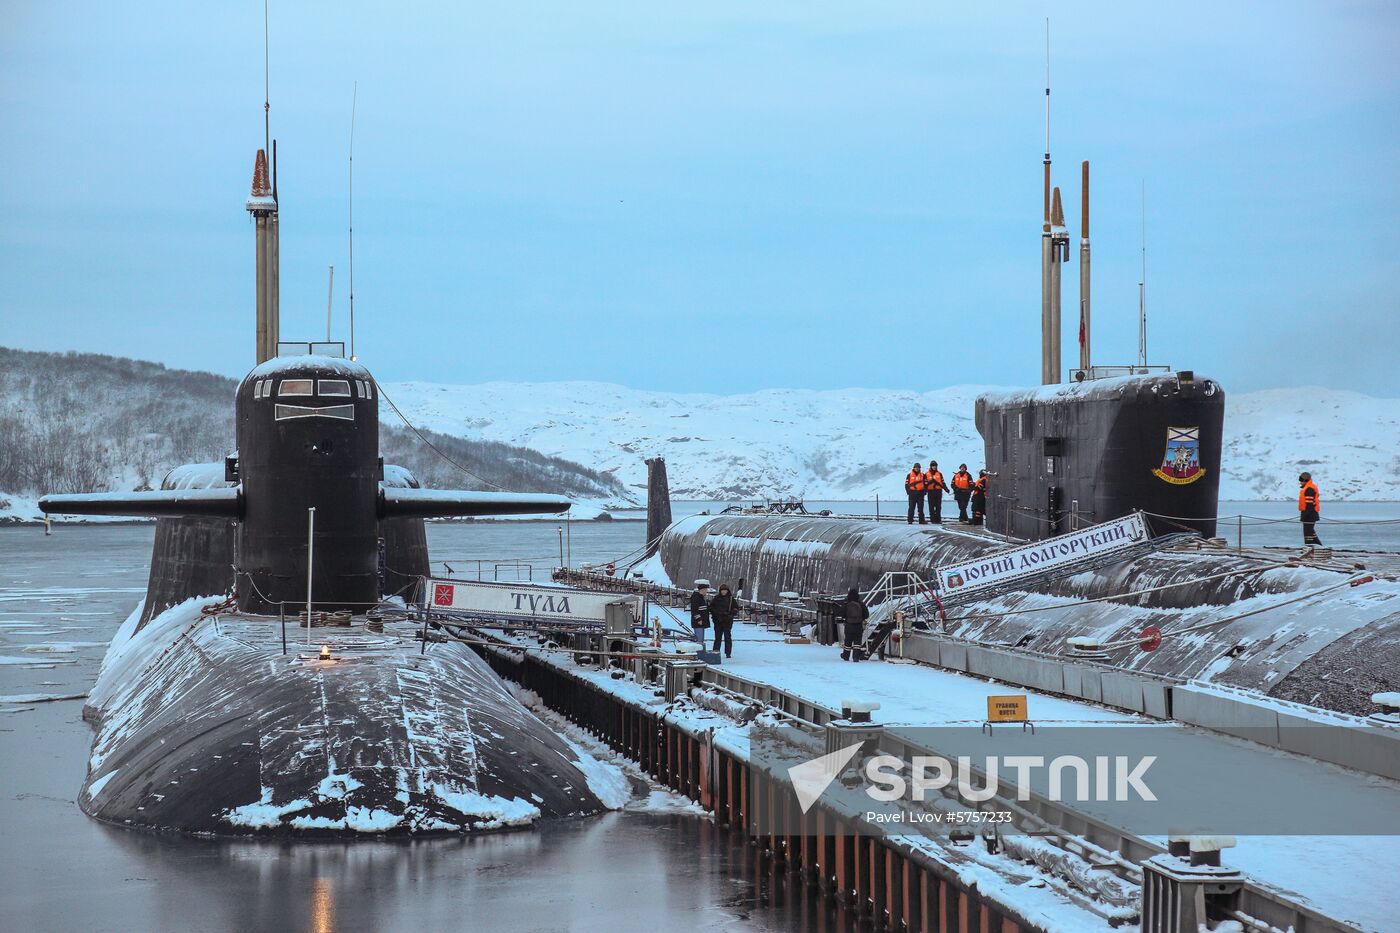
point(1081, 330)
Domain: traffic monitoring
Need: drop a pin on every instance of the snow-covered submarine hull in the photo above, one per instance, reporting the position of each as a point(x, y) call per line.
point(1303, 633)
point(207, 725)
point(204, 726)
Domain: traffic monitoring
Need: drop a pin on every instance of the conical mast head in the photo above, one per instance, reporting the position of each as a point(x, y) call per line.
point(262, 186)
point(260, 200)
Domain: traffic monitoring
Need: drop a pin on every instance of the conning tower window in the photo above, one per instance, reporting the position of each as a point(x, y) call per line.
point(294, 387)
point(333, 387)
point(288, 412)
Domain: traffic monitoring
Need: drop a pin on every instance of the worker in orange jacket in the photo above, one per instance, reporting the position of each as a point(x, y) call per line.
point(935, 487)
point(962, 491)
point(914, 486)
point(979, 498)
point(1309, 507)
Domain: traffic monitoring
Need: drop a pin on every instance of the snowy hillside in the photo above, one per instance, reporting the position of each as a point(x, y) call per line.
point(74, 422)
point(1349, 440)
point(849, 443)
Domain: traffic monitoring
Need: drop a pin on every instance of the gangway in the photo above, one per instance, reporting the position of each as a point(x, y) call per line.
point(1014, 568)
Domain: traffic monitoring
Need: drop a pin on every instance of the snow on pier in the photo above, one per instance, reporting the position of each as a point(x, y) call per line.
point(1346, 877)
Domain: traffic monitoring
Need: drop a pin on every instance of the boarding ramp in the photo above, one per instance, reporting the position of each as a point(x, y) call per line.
point(1015, 568)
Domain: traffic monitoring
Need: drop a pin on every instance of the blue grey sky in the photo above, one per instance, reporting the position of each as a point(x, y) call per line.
point(709, 197)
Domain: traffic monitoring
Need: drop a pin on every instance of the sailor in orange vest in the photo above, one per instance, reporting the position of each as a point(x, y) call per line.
point(962, 490)
point(914, 486)
point(979, 498)
point(1309, 507)
point(934, 485)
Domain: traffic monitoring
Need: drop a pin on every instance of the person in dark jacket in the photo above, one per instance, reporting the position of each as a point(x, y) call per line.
point(854, 630)
point(700, 610)
point(723, 609)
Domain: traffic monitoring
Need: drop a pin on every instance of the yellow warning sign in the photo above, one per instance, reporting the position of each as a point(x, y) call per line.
point(1006, 709)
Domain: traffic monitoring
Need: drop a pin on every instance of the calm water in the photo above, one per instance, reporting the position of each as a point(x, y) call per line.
point(61, 599)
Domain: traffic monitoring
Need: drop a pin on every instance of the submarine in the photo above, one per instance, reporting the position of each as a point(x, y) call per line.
point(1315, 628)
point(209, 722)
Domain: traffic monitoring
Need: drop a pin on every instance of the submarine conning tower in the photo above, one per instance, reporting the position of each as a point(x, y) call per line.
point(1072, 454)
point(308, 437)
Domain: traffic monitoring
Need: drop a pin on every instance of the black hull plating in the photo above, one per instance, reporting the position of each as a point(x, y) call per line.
point(1104, 446)
point(223, 734)
point(190, 557)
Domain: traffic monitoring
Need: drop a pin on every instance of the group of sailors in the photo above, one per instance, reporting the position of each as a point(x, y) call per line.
point(928, 484)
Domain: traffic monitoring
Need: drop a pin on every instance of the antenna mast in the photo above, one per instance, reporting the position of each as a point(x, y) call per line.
point(1047, 124)
point(1054, 249)
point(354, 99)
point(267, 87)
point(1142, 286)
point(330, 290)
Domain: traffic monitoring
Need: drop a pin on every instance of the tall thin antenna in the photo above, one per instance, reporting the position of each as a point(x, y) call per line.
point(330, 290)
point(1047, 124)
point(267, 86)
point(1142, 285)
point(354, 100)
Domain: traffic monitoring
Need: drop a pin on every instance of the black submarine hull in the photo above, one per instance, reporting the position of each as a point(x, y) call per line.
point(204, 726)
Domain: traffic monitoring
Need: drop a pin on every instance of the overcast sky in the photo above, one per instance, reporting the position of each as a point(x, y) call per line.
point(708, 197)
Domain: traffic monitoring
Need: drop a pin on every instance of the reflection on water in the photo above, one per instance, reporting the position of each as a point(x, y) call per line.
point(621, 871)
point(322, 907)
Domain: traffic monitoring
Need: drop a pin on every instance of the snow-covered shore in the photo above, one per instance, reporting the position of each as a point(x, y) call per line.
point(846, 444)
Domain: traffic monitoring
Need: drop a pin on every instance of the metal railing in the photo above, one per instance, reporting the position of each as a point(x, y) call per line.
point(513, 565)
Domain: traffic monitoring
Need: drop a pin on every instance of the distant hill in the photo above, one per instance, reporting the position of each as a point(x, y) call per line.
point(73, 422)
point(850, 443)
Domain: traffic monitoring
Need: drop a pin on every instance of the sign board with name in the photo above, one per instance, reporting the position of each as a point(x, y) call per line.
point(531, 601)
point(1031, 560)
point(1006, 709)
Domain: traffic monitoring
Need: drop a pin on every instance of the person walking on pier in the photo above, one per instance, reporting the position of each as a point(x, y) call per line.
point(933, 482)
point(962, 491)
point(853, 627)
point(979, 498)
point(700, 610)
point(914, 486)
point(723, 609)
point(1309, 507)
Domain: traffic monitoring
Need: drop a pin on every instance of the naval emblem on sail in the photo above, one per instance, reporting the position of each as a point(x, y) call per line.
point(1181, 463)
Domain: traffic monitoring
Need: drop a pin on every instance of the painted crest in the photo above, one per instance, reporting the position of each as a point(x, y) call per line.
point(1181, 464)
